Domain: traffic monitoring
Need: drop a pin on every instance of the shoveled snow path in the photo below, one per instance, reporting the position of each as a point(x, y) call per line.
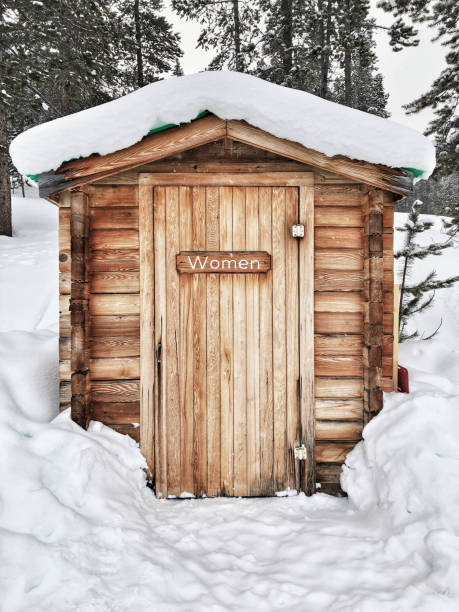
point(242, 554)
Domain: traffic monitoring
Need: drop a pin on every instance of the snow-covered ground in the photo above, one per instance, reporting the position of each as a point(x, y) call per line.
point(79, 531)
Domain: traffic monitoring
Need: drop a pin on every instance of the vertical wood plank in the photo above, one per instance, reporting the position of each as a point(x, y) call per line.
point(292, 343)
point(266, 347)
point(159, 220)
point(79, 307)
point(253, 349)
point(306, 337)
point(171, 346)
point(226, 344)
point(199, 347)
point(213, 346)
point(239, 350)
point(186, 349)
point(147, 314)
point(279, 336)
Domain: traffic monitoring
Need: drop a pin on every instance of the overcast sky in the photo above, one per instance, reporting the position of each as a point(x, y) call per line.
point(406, 74)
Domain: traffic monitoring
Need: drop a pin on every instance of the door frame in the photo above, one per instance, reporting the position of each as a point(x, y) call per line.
point(305, 183)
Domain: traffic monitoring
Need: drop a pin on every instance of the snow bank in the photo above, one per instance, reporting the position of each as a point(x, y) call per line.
point(291, 114)
point(411, 453)
point(406, 470)
point(29, 267)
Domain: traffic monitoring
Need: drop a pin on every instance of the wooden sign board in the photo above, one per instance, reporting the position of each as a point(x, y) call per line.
point(223, 262)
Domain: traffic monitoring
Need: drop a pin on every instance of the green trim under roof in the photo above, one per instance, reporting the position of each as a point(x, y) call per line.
point(155, 130)
point(414, 171)
point(167, 126)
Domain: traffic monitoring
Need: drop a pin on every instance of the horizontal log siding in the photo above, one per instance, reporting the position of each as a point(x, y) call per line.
point(114, 307)
point(338, 300)
point(338, 305)
point(338, 273)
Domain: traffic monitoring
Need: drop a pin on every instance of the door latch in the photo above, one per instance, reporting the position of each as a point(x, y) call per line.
point(300, 453)
point(297, 231)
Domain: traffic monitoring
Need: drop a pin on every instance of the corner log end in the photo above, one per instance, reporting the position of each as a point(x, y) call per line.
point(79, 307)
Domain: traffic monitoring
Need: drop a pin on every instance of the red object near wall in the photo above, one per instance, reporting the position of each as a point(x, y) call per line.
point(403, 380)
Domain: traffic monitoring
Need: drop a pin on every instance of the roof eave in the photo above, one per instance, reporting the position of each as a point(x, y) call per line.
point(210, 129)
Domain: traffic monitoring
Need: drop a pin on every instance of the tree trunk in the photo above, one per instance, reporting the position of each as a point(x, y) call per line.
point(287, 37)
point(138, 45)
point(402, 295)
point(347, 58)
point(5, 191)
point(239, 63)
point(325, 37)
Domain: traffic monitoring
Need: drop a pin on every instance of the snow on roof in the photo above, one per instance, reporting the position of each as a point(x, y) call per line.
point(295, 115)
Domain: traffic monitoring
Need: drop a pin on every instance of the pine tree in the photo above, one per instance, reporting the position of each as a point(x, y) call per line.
point(417, 297)
point(360, 85)
point(443, 96)
point(298, 44)
point(229, 27)
point(324, 47)
point(451, 225)
point(61, 57)
point(151, 48)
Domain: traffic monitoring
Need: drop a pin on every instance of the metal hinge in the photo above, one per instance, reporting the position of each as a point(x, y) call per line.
point(297, 231)
point(300, 453)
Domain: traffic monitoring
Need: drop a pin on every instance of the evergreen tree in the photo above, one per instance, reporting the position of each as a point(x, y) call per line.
point(151, 48)
point(452, 225)
point(60, 57)
point(443, 96)
point(230, 27)
point(56, 58)
point(439, 196)
point(360, 85)
point(298, 44)
point(178, 70)
point(324, 47)
point(417, 297)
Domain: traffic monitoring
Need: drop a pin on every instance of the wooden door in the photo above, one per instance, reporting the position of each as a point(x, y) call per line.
point(228, 410)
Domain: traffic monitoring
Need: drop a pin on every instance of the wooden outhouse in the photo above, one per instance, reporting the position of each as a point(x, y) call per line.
point(226, 299)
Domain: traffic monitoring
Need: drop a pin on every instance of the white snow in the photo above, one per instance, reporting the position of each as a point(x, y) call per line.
point(295, 115)
point(80, 532)
point(29, 267)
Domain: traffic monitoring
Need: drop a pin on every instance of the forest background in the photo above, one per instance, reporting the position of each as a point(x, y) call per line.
point(59, 57)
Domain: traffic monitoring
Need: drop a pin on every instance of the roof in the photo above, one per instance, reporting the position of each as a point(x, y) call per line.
point(297, 116)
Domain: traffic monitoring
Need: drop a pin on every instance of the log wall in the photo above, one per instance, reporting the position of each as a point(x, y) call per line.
point(339, 297)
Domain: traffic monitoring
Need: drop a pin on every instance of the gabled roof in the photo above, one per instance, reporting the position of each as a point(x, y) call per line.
point(290, 115)
point(211, 129)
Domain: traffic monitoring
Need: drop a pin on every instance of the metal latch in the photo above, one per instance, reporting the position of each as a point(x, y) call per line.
point(158, 352)
point(300, 452)
point(297, 231)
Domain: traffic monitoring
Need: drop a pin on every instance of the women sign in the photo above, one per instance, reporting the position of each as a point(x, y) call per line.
point(223, 262)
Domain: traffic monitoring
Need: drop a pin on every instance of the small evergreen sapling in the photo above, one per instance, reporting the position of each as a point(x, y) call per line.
point(451, 225)
point(417, 297)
